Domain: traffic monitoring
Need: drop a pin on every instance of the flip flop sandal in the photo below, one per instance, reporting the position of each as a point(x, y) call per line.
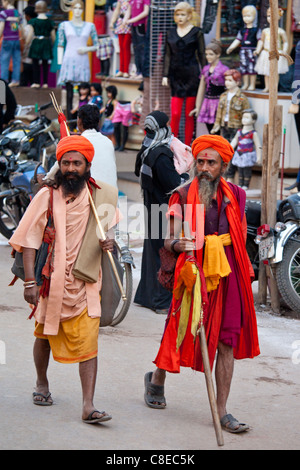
point(100, 419)
point(44, 401)
point(229, 423)
point(154, 394)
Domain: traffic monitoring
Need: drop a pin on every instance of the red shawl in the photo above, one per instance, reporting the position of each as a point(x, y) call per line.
point(189, 354)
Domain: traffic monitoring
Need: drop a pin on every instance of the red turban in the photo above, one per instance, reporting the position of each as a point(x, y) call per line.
point(75, 143)
point(216, 142)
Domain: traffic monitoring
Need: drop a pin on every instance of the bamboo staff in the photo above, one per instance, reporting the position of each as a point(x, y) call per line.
point(58, 109)
point(207, 369)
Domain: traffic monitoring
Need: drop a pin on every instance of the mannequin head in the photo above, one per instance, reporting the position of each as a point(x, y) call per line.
point(233, 79)
point(249, 117)
point(77, 8)
point(183, 13)
point(8, 3)
point(40, 7)
point(280, 14)
point(249, 15)
point(213, 51)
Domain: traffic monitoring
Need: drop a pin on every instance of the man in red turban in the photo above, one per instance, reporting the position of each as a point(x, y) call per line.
point(215, 213)
point(66, 297)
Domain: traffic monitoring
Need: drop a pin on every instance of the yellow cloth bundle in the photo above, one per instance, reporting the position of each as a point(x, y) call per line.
point(215, 264)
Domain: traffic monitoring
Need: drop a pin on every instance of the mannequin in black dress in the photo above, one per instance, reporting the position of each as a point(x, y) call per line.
point(184, 54)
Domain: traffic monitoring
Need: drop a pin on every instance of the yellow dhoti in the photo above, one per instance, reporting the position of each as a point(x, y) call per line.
point(76, 341)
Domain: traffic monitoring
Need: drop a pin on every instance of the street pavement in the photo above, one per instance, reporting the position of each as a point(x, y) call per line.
point(265, 391)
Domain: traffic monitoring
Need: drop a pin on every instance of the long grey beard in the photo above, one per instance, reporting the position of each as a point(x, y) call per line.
point(207, 190)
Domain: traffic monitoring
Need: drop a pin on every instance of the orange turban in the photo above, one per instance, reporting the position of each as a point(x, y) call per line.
point(216, 142)
point(75, 143)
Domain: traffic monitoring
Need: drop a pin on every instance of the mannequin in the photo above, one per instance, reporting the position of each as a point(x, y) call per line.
point(212, 84)
point(136, 16)
point(185, 49)
point(263, 66)
point(42, 37)
point(104, 52)
point(248, 151)
point(75, 67)
point(231, 105)
point(247, 38)
point(123, 30)
point(10, 29)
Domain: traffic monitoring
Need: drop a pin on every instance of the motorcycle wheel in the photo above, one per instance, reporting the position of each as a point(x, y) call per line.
point(7, 225)
point(287, 275)
point(123, 306)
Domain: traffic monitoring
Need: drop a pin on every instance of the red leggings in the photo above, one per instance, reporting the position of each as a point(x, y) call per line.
point(176, 108)
point(124, 43)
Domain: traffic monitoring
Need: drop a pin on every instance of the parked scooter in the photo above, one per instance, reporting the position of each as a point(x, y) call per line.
point(278, 246)
point(17, 186)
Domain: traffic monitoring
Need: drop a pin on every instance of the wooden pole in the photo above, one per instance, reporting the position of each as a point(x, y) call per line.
point(206, 366)
point(274, 137)
point(262, 275)
point(210, 387)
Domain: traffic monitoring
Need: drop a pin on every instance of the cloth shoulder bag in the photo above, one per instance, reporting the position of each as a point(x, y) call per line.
point(42, 253)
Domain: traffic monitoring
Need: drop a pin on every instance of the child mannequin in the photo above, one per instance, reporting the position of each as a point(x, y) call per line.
point(10, 29)
point(123, 30)
point(212, 84)
point(247, 38)
point(84, 96)
point(96, 95)
point(231, 105)
point(185, 49)
point(263, 47)
point(248, 151)
point(41, 36)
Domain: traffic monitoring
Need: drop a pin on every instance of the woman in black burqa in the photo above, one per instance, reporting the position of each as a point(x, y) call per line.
point(158, 178)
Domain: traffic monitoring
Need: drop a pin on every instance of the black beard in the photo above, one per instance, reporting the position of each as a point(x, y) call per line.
point(207, 189)
point(73, 185)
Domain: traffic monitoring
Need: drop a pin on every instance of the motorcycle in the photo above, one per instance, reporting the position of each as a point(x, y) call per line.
point(17, 186)
point(278, 246)
point(36, 139)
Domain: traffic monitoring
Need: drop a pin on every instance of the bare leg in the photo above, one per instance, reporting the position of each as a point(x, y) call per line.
point(224, 373)
point(158, 377)
point(88, 375)
point(41, 355)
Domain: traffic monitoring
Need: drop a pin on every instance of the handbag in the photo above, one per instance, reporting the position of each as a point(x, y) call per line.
point(110, 291)
point(166, 273)
point(42, 253)
point(107, 127)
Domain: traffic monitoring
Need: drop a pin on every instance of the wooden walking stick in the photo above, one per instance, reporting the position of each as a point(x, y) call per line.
point(58, 109)
point(207, 369)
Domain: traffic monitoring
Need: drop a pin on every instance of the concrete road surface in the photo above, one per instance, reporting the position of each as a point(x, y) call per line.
point(265, 391)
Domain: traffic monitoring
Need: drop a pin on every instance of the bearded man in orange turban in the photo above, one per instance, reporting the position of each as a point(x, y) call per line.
point(65, 299)
point(214, 212)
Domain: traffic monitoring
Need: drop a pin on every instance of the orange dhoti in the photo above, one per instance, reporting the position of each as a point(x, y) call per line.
point(76, 341)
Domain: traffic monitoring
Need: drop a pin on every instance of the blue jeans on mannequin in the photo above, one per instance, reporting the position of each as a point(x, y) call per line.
point(11, 50)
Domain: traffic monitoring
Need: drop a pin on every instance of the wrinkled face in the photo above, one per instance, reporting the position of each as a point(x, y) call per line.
point(181, 17)
point(211, 56)
point(209, 164)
